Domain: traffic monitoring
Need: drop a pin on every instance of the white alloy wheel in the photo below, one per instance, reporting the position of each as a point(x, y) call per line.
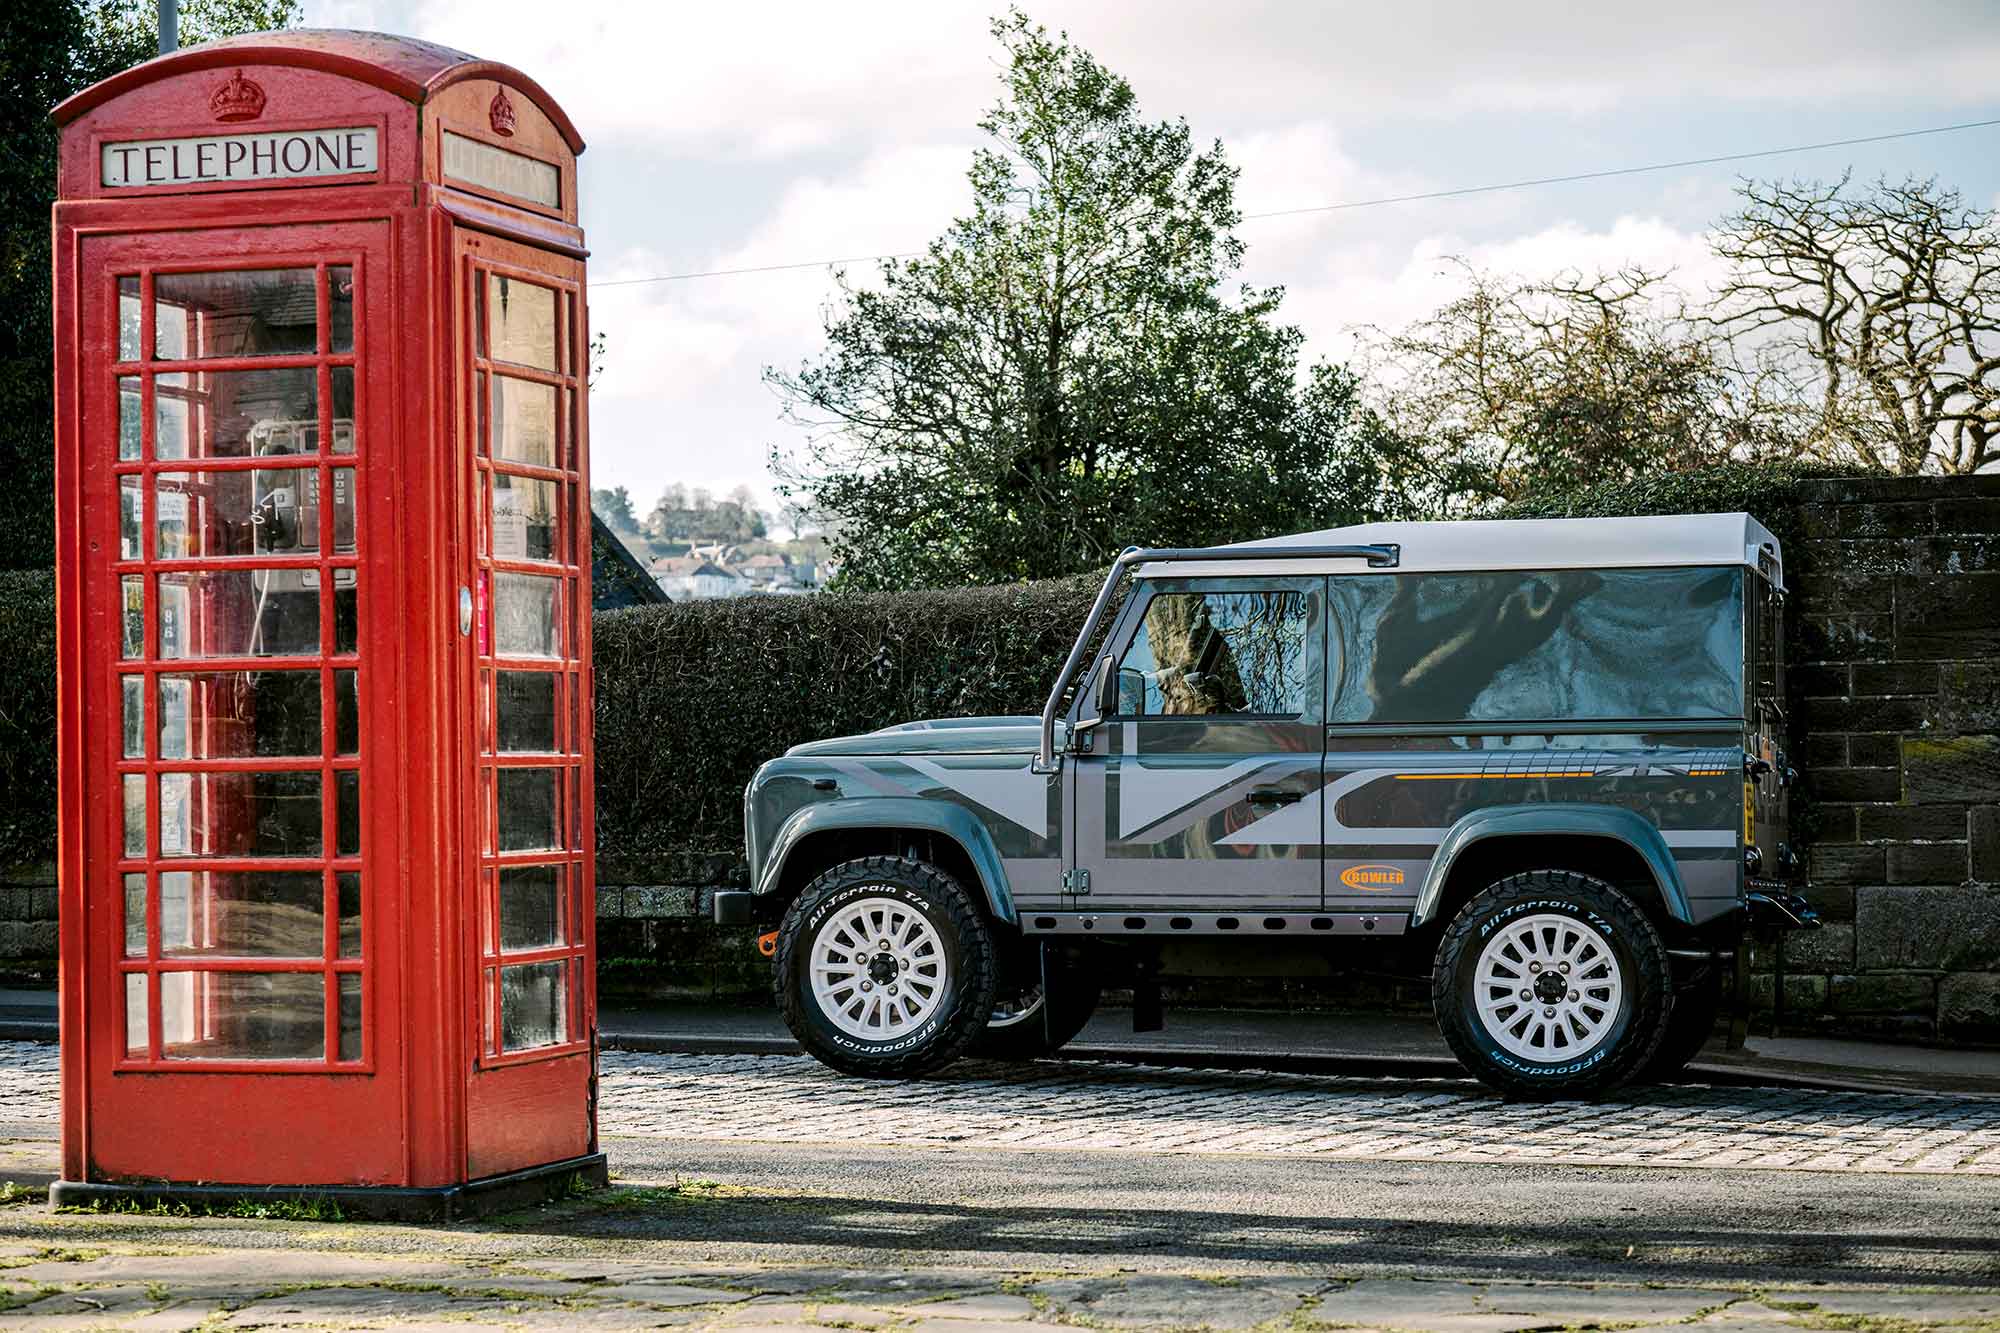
point(1548, 988)
point(879, 970)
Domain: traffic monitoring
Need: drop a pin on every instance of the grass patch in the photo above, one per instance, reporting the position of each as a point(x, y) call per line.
point(312, 1208)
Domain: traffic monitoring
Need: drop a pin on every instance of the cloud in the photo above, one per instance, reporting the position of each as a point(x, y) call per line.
point(681, 395)
point(778, 80)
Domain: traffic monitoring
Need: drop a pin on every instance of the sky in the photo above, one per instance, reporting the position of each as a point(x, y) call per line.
point(743, 135)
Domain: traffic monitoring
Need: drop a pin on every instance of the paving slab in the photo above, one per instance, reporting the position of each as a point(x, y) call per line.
point(351, 1306)
point(668, 1294)
point(763, 1311)
point(1563, 1305)
point(1915, 1305)
point(992, 1305)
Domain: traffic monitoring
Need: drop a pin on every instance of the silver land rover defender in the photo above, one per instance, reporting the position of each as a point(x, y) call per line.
point(1538, 761)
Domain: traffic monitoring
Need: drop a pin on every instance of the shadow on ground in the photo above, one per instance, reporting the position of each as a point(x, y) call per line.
point(1511, 1248)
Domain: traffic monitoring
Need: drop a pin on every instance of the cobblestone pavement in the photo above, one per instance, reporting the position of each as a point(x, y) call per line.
point(1124, 1108)
point(793, 1099)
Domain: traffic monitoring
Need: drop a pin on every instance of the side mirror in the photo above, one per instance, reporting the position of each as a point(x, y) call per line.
point(1105, 695)
point(1131, 692)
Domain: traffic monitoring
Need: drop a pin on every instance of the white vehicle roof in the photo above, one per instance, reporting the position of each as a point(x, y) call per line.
point(1517, 543)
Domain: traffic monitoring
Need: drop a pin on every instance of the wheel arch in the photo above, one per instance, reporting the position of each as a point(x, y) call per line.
point(821, 836)
point(1617, 845)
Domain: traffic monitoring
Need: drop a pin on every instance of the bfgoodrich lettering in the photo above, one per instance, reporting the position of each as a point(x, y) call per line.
point(239, 157)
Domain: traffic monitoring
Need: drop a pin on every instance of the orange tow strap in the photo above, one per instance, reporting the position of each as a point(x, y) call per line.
point(767, 944)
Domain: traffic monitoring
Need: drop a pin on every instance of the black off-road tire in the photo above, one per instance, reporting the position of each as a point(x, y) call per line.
point(1645, 983)
point(1692, 1022)
point(956, 1018)
point(1071, 999)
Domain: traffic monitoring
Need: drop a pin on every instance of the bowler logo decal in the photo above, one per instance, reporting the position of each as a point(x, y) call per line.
point(1371, 877)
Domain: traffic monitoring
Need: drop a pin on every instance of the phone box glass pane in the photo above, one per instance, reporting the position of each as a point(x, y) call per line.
point(135, 916)
point(526, 702)
point(240, 814)
point(524, 421)
point(134, 690)
point(135, 814)
point(131, 413)
point(243, 1015)
point(346, 713)
point(133, 588)
point(209, 514)
point(242, 914)
point(175, 415)
point(255, 312)
point(521, 322)
point(534, 1006)
point(526, 615)
point(340, 308)
point(531, 907)
point(137, 1042)
point(130, 318)
point(350, 1016)
point(348, 885)
point(341, 378)
point(527, 518)
point(345, 611)
point(239, 613)
point(239, 715)
point(131, 517)
point(529, 806)
point(242, 414)
point(347, 813)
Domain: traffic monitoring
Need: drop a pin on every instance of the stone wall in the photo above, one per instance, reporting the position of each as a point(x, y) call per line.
point(1896, 683)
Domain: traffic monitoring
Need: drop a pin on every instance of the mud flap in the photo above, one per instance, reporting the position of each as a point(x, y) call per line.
point(1148, 1012)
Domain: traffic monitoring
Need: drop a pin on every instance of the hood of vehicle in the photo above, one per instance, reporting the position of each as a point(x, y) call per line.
point(944, 735)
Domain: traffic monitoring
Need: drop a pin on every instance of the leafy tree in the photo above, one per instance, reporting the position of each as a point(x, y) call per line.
point(50, 49)
point(1062, 372)
point(684, 516)
point(1518, 387)
point(614, 506)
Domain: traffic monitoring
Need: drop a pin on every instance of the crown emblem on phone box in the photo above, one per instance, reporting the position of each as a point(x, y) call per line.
point(237, 99)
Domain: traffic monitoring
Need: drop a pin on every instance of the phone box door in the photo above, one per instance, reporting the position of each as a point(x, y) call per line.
point(242, 871)
point(524, 471)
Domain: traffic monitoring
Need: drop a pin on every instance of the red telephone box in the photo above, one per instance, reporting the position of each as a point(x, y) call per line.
point(324, 562)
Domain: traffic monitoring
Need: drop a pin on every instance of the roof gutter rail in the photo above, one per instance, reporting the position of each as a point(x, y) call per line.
point(1385, 555)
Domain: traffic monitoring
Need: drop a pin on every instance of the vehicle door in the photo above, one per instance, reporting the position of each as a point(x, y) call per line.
point(1200, 787)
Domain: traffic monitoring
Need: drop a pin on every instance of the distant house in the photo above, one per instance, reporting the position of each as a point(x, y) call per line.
point(766, 570)
point(683, 577)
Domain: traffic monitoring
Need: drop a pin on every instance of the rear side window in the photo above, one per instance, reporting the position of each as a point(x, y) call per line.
point(1214, 654)
point(1536, 646)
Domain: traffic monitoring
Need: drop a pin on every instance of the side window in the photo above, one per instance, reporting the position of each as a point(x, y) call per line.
point(1534, 646)
point(1218, 654)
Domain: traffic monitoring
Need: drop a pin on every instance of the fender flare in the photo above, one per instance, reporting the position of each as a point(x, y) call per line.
point(896, 812)
point(1551, 821)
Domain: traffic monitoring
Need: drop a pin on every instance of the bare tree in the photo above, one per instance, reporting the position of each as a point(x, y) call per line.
point(1516, 385)
point(1870, 319)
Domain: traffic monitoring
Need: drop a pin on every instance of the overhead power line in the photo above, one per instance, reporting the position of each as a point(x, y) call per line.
point(1351, 204)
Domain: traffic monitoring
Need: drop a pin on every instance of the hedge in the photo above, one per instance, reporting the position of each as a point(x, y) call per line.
point(692, 696)
point(28, 717)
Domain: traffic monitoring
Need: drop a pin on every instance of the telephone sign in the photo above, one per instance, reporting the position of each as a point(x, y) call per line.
point(218, 158)
point(326, 856)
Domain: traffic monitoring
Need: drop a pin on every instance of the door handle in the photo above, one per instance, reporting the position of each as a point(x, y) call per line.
point(1274, 796)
